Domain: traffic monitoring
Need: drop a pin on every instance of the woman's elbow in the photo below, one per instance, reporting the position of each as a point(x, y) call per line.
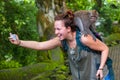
point(106, 50)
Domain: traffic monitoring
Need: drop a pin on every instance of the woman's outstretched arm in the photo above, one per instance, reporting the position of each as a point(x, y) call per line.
point(45, 45)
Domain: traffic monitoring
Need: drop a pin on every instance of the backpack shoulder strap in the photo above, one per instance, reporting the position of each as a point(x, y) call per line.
point(64, 45)
point(79, 43)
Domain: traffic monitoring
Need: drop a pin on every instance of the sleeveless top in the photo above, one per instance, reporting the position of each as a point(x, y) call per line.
point(84, 62)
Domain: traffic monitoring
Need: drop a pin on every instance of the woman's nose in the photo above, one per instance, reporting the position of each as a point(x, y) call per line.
point(56, 32)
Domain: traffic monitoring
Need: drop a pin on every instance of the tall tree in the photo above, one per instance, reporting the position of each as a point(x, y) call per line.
point(47, 9)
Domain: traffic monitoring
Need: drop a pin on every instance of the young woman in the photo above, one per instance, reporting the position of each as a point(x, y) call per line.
point(87, 57)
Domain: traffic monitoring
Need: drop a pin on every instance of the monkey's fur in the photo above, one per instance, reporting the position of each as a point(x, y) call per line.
point(85, 21)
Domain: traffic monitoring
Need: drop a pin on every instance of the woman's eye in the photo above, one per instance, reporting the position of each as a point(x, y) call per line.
point(58, 28)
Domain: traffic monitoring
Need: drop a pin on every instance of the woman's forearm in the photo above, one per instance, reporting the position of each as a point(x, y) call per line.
point(104, 56)
point(45, 45)
point(30, 44)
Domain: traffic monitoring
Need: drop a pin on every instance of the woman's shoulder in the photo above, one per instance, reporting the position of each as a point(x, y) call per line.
point(56, 41)
point(86, 38)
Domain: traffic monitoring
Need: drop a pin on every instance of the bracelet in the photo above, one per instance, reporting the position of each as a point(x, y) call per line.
point(100, 69)
point(19, 42)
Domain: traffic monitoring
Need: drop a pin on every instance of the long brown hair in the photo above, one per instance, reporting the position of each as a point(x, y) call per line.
point(68, 18)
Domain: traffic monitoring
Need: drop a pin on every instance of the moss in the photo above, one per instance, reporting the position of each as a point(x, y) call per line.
point(26, 73)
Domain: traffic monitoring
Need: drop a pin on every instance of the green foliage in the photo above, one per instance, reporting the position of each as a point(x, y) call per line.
point(108, 15)
point(18, 17)
point(79, 4)
point(9, 64)
point(116, 29)
point(113, 39)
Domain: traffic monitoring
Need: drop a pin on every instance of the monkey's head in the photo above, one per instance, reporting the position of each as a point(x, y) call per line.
point(91, 15)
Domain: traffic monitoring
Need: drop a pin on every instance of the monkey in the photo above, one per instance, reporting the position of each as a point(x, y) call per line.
point(85, 21)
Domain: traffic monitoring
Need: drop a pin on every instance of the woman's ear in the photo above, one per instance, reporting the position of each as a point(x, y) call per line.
point(69, 29)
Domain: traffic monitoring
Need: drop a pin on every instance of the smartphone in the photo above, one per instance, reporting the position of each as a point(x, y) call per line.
point(13, 36)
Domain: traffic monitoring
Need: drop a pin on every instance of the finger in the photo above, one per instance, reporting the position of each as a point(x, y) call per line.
point(101, 77)
point(10, 34)
point(97, 75)
point(9, 37)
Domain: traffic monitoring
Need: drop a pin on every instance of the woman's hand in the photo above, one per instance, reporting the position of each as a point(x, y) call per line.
point(14, 39)
point(99, 74)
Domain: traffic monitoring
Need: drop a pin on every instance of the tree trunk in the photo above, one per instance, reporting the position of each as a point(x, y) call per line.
point(47, 9)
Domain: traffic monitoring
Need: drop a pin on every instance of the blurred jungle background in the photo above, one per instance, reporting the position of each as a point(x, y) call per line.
point(33, 20)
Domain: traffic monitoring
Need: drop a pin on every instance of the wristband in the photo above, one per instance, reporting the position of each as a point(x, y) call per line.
point(100, 69)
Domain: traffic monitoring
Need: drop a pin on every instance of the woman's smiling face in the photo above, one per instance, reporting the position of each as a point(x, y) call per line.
point(60, 30)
